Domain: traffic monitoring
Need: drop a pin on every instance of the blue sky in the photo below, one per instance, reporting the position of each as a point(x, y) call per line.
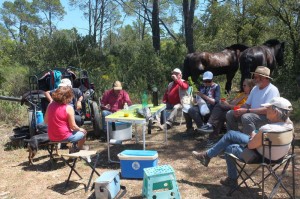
point(73, 18)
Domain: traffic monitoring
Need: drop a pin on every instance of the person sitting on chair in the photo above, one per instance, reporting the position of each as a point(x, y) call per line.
point(278, 111)
point(76, 101)
point(218, 116)
point(209, 91)
point(112, 101)
point(60, 118)
point(252, 115)
point(173, 95)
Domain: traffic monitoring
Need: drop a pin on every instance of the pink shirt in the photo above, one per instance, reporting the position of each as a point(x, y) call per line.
point(58, 125)
point(116, 102)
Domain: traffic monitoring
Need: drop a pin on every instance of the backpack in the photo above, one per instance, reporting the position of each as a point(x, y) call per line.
point(55, 79)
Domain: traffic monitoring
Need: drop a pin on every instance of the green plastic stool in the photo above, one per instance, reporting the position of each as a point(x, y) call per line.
point(160, 182)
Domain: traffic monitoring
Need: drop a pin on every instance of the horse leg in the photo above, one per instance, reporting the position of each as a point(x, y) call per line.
point(229, 77)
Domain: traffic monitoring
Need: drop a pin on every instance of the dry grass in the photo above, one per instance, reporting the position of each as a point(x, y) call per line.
point(20, 180)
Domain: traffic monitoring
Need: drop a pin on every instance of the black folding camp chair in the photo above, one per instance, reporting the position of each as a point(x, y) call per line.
point(276, 169)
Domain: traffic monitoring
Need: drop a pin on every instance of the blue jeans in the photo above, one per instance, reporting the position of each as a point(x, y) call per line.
point(104, 114)
point(77, 135)
point(232, 142)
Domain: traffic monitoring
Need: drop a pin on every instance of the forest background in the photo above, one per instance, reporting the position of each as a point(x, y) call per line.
point(143, 53)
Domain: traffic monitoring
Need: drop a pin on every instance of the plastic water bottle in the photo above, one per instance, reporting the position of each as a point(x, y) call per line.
point(144, 99)
point(126, 106)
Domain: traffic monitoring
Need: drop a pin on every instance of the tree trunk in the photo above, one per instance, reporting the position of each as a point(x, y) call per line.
point(155, 26)
point(188, 13)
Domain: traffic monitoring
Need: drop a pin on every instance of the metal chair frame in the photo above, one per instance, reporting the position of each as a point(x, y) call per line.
point(271, 166)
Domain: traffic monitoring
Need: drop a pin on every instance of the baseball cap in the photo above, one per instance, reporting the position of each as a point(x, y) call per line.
point(208, 75)
point(279, 102)
point(65, 82)
point(176, 70)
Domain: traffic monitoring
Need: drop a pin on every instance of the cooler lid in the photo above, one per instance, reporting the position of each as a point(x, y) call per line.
point(138, 152)
point(107, 177)
point(138, 155)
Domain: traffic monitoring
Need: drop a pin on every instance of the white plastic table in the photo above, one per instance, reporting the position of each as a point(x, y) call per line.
point(134, 119)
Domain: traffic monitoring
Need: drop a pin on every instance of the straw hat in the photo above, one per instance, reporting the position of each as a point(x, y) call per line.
point(262, 71)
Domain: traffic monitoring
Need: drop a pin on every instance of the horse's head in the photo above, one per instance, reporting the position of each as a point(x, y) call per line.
point(192, 66)
point(278, 50)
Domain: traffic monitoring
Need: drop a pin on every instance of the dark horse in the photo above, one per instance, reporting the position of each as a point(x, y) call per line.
point(269, 54)
point(225, 62)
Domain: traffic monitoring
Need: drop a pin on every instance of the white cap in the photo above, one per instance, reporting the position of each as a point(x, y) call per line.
point(65, 82)
point(279, 102)
point(208, 75)
point(176, 70)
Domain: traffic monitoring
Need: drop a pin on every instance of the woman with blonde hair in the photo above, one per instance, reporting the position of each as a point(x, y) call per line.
point(61, 121)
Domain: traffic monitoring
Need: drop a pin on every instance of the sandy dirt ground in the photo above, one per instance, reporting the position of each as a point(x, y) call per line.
point(44, 180)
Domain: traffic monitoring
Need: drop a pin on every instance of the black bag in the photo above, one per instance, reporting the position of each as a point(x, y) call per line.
point(250, 155)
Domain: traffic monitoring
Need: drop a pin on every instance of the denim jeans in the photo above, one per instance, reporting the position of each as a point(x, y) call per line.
point(249, 121)
point(104, 114)
point(232, 142)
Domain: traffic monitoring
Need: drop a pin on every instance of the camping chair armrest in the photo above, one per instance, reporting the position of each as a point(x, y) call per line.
point(232, 156)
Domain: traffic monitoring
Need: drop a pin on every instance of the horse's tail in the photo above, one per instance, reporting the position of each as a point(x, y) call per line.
point(186, 73)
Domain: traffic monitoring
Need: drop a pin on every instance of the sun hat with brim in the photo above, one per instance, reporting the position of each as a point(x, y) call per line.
point(279, 102)
point(208, 75)
point(262, 71)
point(65, 82)
point(117, 85)
point(176, 70)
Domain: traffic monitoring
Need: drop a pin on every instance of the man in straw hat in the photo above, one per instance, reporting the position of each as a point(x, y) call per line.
point(252, 116)
point(112, 101)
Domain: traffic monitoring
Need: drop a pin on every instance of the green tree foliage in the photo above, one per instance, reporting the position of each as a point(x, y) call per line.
point(51, 9)
point(19, 17)
point(126, 52)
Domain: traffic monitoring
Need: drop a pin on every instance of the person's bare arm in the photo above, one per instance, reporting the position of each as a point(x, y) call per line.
point(46, 116)
point(48, 96)
point(256, 140)
point(71, 120)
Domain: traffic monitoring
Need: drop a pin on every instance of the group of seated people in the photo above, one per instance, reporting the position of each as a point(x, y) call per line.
point(260, 109)
point(264, 111)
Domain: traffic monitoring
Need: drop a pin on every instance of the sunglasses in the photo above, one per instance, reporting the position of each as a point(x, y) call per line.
point(207, 81)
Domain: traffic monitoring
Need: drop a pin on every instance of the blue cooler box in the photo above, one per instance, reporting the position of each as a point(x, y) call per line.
point(107, 185)
point(133, 162)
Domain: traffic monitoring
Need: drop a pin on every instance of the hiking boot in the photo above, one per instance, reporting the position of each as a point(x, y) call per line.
point(74, 150)
point(202, 157)
point(228, 182)
point(206, 129)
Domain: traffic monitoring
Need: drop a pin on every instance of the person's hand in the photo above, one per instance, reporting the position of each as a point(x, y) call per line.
point(107, 106)
point(83, 130)
point(78, 105)
point(203, 96)
point(174, 77)
point(239, 112)
point(252, 134)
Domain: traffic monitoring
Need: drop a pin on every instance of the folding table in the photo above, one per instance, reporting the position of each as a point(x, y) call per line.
point(84, 155)
point(134, 119)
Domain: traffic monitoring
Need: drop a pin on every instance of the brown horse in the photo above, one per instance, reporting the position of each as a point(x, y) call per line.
point(269, 54)
point(224, 62)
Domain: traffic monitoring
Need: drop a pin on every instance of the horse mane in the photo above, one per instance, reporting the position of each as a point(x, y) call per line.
point(272, 42)
point(240, 47)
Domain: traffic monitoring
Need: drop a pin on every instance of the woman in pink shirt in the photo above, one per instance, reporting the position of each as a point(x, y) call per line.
point(60, 118)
